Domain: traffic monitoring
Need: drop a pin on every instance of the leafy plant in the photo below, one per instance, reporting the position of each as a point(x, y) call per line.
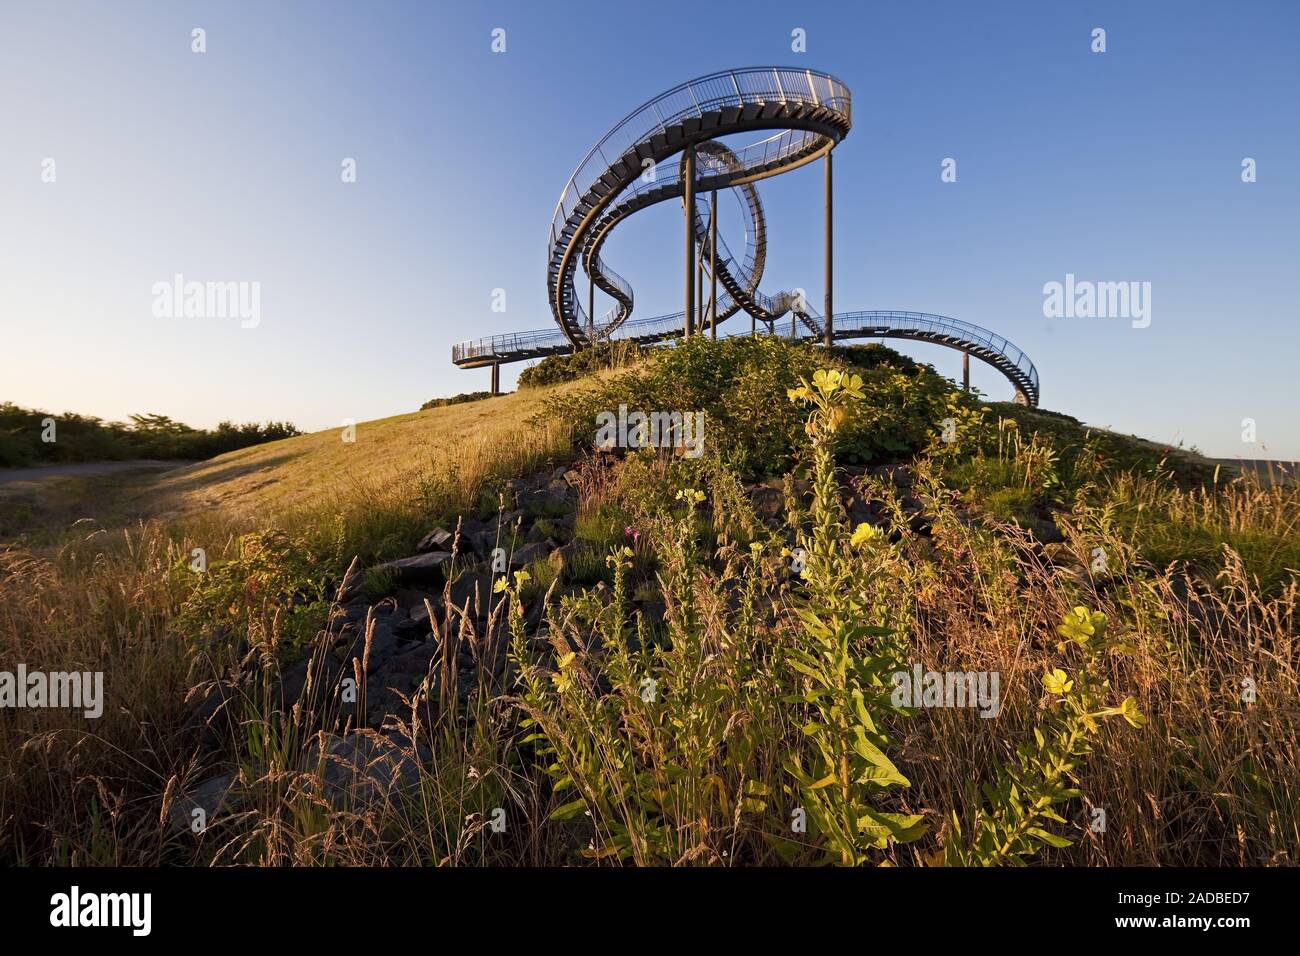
point(846, 665)
point(1012, 822)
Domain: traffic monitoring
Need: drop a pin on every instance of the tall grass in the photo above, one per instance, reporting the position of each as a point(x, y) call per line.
point(694, 699)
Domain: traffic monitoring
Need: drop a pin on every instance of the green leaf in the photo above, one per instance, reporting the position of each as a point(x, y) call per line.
point(1051, 839)
point(569, 810)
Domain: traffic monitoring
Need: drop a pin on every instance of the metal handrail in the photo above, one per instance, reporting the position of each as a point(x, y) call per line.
point(922, 326)
point(594, 183)
point(601, 183)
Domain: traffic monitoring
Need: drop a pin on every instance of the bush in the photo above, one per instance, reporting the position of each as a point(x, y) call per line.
point(455, 400)
point(85, 438)
point(567, 368)
point(739, 384)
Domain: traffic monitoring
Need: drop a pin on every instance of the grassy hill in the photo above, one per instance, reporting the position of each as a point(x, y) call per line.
point(390, 463)
point(685, 652)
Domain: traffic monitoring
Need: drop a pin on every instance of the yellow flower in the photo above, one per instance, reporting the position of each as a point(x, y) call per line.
point(1082, 625)
point(797, 394)
point(1129, 711)
point(863, 533)
point(826, 381)
point(1057, 682)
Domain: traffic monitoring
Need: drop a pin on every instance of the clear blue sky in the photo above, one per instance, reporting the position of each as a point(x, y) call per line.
point(226, 166)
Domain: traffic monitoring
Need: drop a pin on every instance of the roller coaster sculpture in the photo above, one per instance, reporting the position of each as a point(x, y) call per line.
point(669, 149)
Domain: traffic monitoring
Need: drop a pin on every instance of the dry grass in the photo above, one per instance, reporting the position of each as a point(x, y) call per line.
point(1212, 779)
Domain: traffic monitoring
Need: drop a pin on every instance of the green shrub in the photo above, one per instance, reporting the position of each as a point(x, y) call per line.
point(738, 382)
point(85, 438)
point(273, 592)
point(567, 368)
point(455, 400)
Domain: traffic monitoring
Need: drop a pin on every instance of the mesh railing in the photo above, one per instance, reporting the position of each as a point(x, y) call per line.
point(523, 345)
point(693, 98)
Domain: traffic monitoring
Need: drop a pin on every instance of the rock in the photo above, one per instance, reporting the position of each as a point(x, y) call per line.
point(399, 675)
point(870, 512)
point(208, 798)
point(654, 611)
point(474, 588)
point(293, 682)
point(548, 501)
point(418, 607)
point(384, 643)
point(354, 583)
point(767, 502)
point(214, 711)
point(471, 533)
point(412, 598)
point(439, 539)
point(572, 478)
point(363, 767)
point(410, 629)
point(354, 610)
point(1045, 530)
point(386, 607)
point(1058, 554)
point(899, 475)
point(500, 532)
point(419, 567)
point(526, 555)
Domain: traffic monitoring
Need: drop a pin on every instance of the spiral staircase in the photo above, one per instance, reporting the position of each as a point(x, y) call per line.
point(648, 158)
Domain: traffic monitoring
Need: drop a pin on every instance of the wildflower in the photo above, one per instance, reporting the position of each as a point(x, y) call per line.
point(521, 578)
point(826, 381)
point(1081, 625)
point(563, 678)
point(617, 555)
point(1129, 711)
point(862, 534)
point(1057, 682)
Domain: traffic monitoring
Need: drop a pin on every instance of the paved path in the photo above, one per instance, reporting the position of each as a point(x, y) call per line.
point(82, 468)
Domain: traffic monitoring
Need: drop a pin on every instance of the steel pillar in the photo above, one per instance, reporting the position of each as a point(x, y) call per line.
point(496, 378)
point(688, 200)
point(713, 265)
point(965, 371)
point(829, 319)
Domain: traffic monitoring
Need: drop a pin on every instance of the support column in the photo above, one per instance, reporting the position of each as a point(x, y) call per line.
point(965, 371)
point(591, 309)
point(688, 200)
point(713, 265)
point(699, 288)
point(829, 318)
point(496, 378)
